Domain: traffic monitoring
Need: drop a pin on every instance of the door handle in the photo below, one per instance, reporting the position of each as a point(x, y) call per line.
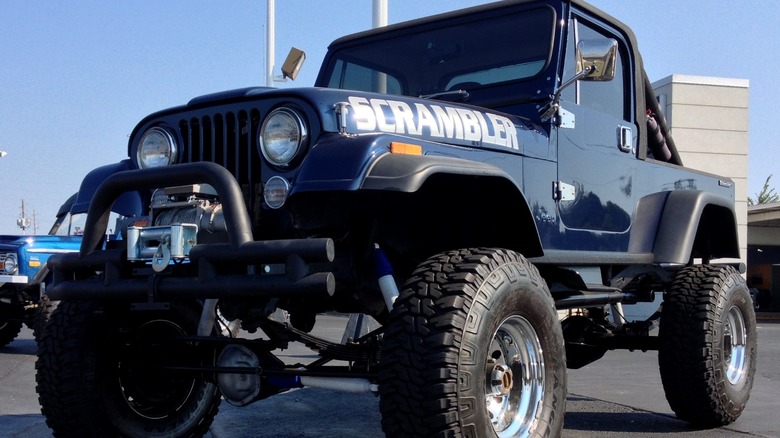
point(625, 139)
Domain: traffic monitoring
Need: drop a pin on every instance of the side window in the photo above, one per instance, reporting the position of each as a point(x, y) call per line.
point(607, 97)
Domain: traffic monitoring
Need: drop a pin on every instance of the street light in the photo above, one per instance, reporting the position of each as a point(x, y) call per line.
point(3, 153)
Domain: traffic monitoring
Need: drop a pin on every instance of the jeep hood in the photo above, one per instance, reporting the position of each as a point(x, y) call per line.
point(359, 113)
point(40, 242)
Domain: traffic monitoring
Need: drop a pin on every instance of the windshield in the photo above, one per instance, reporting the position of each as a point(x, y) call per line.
point(448, 56)
point(73, 224)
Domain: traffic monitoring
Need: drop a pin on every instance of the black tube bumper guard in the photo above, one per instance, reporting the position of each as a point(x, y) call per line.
point(75, 275)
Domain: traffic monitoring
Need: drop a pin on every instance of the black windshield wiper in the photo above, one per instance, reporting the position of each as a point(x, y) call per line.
point(465, 96)
point(462, 93)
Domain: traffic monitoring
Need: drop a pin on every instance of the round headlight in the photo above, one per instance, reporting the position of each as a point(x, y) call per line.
point(281, 136)
point(156, 149)
point(9, 265)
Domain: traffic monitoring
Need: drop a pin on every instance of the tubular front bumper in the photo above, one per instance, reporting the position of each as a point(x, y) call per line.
point(273, 268)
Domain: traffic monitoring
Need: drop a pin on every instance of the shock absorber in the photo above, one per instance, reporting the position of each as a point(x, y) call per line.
point(383, 272)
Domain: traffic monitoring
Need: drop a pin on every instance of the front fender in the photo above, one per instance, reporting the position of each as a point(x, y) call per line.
point(128, 204)
point(340, 163)
point(484, 200)
point(451, 195)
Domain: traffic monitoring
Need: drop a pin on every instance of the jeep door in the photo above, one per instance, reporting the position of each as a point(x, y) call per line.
point(596, 150)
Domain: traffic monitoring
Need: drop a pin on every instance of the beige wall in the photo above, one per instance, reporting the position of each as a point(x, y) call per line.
point(708, 118)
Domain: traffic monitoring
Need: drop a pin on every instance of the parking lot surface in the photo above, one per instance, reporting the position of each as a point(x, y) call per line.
point(618, 396)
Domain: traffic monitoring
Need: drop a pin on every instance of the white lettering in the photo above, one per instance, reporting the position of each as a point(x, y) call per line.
point(399, 117)
point(425, 119)
point(364, 115)
point(503, 132)
point(448, 118)
point(487, 135)
point(381, 118)
point(404, 117)
point(511, 134)
point(471, 129)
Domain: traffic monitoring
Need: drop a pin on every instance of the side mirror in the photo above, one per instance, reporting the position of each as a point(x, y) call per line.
point(292, 64)
point(597, 59)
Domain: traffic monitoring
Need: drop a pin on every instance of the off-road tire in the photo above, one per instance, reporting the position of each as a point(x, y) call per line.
point(459, 310)
point(88, 385)
point(707, 353)
point(46, 307)
point(11, 315)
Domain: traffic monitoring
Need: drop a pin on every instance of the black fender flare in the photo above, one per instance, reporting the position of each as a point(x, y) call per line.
point(128, 204)
point(410, 173)
point(690, 214)
point(407, 173)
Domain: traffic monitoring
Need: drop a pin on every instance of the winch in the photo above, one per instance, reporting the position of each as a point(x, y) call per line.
point(177, 216)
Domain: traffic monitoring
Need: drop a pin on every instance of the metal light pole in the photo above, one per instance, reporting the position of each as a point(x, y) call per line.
point(378, 18)
point(379, 15)
point(270, 36)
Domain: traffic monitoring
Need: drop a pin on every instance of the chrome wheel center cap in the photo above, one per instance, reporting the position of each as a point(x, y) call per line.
point(501, 380)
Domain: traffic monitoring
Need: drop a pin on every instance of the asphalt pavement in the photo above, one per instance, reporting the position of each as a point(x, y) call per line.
point(617, 396)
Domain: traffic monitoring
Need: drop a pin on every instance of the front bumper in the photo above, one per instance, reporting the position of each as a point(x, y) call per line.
point(15, 279)
point(240, 268)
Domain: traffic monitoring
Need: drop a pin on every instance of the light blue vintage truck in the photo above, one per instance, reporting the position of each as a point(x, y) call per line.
point(23, 269)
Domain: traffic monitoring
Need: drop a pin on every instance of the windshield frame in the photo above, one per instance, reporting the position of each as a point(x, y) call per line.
point(347, 50)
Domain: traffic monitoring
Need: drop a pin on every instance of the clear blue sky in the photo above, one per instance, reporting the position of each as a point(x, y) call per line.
point(75, 77)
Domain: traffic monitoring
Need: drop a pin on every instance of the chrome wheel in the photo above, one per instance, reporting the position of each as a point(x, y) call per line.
point(493, 362)
point(734, 346)
point(514, 378)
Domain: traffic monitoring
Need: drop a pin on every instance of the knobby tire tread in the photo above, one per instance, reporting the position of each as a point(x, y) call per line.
point(689, 339)
point(10, 328)
point(46, 307)
point(63, 394)
point(422, 343)
point(68, 391)
point(9, 331)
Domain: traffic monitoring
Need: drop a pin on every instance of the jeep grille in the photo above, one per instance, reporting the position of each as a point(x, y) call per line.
point(225, 138)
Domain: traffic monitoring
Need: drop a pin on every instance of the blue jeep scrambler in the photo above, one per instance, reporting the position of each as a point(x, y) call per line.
point(492, 185)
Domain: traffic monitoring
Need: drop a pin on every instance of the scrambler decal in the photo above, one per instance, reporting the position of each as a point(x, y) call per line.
point(445, 122)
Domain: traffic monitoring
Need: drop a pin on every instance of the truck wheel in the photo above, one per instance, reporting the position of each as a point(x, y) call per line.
point(11, 315)
point(42, 314)
point(707, 353)
point(473, 347)
point(95, 374)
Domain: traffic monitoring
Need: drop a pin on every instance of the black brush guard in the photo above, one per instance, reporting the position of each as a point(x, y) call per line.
point(75, 275)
